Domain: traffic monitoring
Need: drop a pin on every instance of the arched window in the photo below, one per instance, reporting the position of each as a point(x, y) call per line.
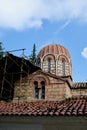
point(63, 67)
point(49, 65)
point(39, 93)
point(42, 90)
point(36, 90)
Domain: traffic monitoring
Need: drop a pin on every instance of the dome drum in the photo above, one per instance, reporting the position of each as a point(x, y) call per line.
point(55, 59)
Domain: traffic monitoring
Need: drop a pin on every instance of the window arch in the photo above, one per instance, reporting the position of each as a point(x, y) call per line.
point(49, 65)
point(63, 67)
point(39, 92)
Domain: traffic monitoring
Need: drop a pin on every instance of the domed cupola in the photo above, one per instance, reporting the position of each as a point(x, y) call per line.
point(55, 59)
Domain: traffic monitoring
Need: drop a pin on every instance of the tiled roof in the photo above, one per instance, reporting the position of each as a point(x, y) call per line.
point(53, 49)
point(80, 85)
point(69, 107)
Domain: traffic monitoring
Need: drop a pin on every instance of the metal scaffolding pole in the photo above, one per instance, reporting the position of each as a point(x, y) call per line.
point(3, 77)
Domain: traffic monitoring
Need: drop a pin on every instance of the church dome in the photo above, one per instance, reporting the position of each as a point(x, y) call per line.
point(54, 49)
point(55, 59)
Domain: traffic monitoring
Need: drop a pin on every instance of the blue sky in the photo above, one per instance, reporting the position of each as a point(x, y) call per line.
point(23, 23)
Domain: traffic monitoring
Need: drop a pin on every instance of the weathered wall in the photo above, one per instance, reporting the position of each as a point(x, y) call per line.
point(67, 68)
point(55, 89)
point(79, 92)
point(68, 91)
point(56, 66)
point(53, 66)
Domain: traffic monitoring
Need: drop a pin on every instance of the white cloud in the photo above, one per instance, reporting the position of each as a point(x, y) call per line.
point(84, 52)
point(21, 14)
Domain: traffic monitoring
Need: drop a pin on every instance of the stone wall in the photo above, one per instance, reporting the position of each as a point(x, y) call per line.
point(55, 89)
point(67, 69)
point(57, 69)
point(68, 92)
point(53, 67)
point(79, 92)
point(56, 65)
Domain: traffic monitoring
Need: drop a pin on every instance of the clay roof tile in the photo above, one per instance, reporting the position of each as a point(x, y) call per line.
point(68, 107)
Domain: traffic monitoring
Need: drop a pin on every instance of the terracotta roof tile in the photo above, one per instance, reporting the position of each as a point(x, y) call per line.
point(54, 49)
point(69, 107)
point(79, 85)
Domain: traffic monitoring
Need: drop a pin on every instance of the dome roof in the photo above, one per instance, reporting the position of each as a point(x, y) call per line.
point(54, 49)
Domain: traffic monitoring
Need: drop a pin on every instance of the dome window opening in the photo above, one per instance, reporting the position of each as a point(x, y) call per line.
point(63, 67)
point(49, 65)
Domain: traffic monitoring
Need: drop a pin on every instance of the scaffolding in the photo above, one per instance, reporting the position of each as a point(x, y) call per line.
point(13, 68)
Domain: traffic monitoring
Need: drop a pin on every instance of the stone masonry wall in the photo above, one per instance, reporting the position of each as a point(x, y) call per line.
point(53, 67)
point(79, 92)
point(67, 68)
point(56, 89)
point(56, 68)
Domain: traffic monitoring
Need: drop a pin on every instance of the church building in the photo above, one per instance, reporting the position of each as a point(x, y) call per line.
point(46, 98)
point(53, 81)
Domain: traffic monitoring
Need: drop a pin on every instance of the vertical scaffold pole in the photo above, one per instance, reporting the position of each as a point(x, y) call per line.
point(21, 73)
point(4, 75)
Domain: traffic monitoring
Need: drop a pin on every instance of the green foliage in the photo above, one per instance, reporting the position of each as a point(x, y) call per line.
point(1, 51)
point(33, 56)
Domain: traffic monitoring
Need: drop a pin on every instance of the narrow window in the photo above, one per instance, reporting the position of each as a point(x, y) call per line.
point(42, 90)
point(63, 67)
point(36, 90)
point(49, 65)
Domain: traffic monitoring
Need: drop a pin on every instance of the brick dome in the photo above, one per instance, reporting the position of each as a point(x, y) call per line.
point(55, 59)
point(54, 49)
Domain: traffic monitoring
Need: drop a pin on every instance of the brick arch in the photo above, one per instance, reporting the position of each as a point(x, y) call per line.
point(63, 57)
point(39, 78)
point(48, 56)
